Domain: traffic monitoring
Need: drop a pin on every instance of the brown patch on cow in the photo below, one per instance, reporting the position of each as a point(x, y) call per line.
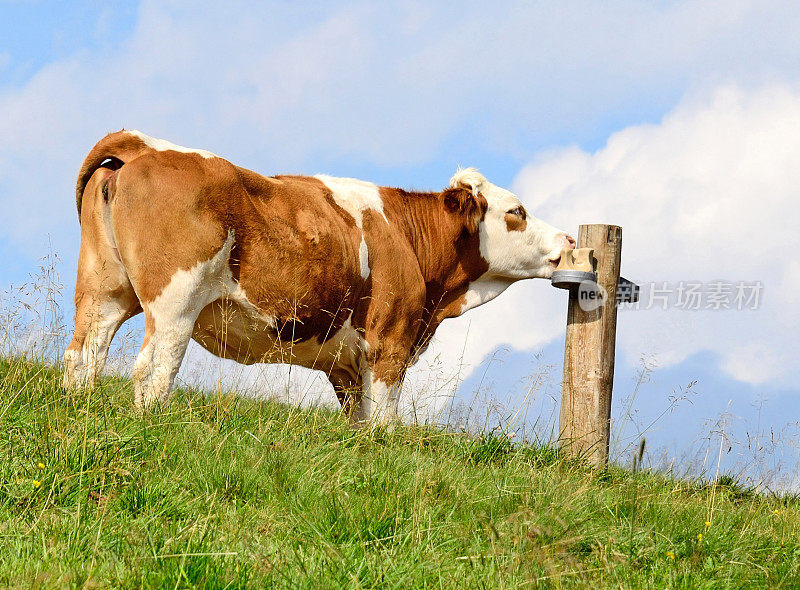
point(515, 222)
point(298, 256)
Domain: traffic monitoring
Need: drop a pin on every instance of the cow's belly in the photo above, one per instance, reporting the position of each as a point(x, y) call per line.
point(230, 330)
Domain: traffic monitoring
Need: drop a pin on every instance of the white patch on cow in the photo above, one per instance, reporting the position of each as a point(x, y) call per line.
point(174, 313)
point(363, 258)
point(193, 288)
point(73, 374)
point(354, 196)
point(379, 401)
point(469, 178)
point(511, 254)
point(72, 358)
point(141, 376)
point(237, 294)
point(483, 290)
point(162, 145)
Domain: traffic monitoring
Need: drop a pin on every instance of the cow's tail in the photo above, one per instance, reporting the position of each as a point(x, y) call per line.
point(112, 152)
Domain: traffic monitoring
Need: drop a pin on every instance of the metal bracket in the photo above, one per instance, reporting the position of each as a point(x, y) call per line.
point(571, 279)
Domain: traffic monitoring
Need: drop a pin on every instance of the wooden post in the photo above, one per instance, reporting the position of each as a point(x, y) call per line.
point(589, 354)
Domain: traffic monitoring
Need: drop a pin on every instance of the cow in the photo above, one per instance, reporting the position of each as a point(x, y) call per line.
point(329, 273)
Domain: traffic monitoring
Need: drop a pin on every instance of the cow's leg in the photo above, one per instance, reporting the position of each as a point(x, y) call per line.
point(141, 368)
point(104, 296)
point(167, 334)
point(382, 382)
point(348, 389)
point(98, 316)
point(379, 401)
point(371, 393)
point(169, 321)
point(392, 323)
point(104, 299)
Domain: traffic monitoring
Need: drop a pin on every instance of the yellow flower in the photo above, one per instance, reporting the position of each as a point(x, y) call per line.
point(36, 483)
point(670, 554)
point(708, 523)
point(699, 537)
point(776, 512)
point(40, 465)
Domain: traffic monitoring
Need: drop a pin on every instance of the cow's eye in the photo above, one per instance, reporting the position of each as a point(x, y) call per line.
point(519, 211)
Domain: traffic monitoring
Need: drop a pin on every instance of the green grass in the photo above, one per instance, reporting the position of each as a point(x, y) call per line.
point(224, 492)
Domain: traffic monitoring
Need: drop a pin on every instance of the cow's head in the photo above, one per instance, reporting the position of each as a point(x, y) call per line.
point(513, 243)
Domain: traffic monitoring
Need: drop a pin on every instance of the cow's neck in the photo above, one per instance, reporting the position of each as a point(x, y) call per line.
point(450, 263)
point(449, 304)
point(463, 297)
point(448, 258)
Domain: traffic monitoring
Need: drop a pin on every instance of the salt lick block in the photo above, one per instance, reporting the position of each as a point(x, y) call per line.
point(575, 267)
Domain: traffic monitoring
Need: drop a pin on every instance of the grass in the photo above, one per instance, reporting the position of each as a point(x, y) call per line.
point(224, 492)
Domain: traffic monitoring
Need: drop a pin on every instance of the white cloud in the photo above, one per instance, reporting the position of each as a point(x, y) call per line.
point(712, 192)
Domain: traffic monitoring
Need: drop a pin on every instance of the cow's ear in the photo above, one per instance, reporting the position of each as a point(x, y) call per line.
point(469, 179)
point(463, 202)
point(469, 184)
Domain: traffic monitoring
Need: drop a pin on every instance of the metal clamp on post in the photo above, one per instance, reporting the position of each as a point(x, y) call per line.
point(627, 291)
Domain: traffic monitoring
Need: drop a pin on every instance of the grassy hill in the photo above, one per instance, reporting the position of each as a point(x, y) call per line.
point(224, 492)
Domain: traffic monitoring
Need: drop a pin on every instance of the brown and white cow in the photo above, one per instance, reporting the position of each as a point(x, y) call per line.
point(334, 274)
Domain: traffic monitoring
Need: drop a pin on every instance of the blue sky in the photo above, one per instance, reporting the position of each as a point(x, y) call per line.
point(679, 121)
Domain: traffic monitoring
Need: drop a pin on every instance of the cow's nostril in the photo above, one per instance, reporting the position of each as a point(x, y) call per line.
point(570, 241)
